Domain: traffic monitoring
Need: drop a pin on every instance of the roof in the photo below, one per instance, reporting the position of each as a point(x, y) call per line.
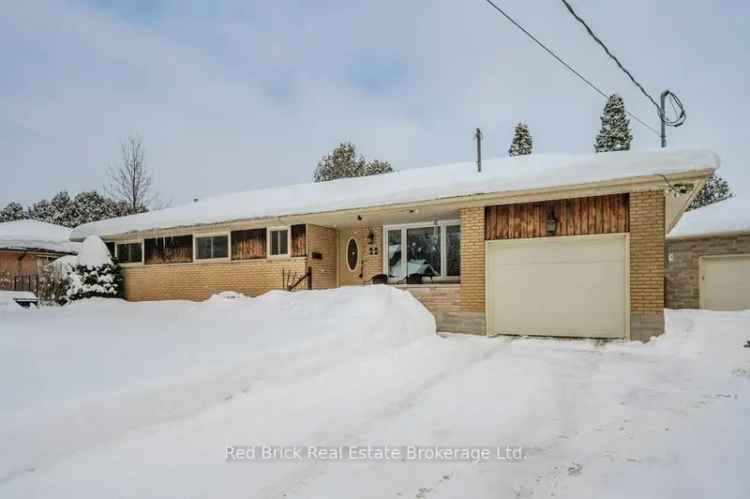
point(729, 216)
point(501, 175)
point(27, 235)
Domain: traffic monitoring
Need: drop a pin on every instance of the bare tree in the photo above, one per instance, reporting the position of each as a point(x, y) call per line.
point(130, 181)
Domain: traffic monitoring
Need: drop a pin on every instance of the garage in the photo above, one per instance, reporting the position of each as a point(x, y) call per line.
point(574, 286)
point(725, 282)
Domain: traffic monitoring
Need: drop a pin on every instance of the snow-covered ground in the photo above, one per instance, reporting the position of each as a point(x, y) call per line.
point(114, 399)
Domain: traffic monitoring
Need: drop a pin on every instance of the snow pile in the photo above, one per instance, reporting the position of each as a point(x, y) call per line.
point(125, 365)
point(94, 253)
point(8, 297)
point(729, 216)
point(146, 397)
point(95, 274)
point(34, 235)
point(518, 173)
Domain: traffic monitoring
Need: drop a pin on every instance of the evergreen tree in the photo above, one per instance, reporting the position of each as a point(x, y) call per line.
point(614, 134)
point(12, 211)
point(522, 143)
point(41, 210)
point(95, 273)
point(85, 207)
point(716, 189)
point(344, 162)
point(61, 205)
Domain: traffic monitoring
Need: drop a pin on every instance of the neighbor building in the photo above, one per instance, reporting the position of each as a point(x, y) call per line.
point(708, 258)
point(26, 246)
point(537, 245)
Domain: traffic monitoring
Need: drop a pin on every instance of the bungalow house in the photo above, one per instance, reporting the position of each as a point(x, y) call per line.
point(708, 258)
point(537, 245)
point(26, 246)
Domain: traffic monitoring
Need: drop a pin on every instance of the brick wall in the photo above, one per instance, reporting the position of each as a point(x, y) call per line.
point(472, 270)
point(472, 259)
point(646, 264)
point(322, 240)
point(682, 272)
point(198, 281)
point(444, 302)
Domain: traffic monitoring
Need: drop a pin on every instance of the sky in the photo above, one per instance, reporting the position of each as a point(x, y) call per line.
point(236, 95)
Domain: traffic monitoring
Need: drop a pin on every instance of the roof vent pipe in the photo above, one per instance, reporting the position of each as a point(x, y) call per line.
point(478, 137)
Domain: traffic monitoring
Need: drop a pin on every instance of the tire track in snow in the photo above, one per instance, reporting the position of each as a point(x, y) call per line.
point(294, 481)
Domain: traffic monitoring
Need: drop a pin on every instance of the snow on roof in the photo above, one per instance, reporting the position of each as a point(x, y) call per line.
point(410, 186)
point(35, 235)
point(729, 216)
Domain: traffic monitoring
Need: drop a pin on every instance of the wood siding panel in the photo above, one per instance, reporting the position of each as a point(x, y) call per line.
point(575, 217)
point(298, 240)
point(248, 244)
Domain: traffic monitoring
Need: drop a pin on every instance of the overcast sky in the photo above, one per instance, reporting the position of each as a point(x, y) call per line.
point(239, 94)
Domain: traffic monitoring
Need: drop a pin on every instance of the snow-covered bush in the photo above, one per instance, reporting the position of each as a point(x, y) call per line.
point(54, 280)
point(95, 273)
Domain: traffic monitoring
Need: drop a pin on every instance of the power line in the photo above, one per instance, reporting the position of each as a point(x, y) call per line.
point(612, 56)
point(568, 66)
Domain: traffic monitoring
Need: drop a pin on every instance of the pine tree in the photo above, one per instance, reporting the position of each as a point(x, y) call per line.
point(85, 207)
point(522, 143)
point(12, 211)
point(344, 162)
point(716, 189)
point(614, 134)
point(61, 205)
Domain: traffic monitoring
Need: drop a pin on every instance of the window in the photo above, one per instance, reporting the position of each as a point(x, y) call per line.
point(352, 254)
point(432, 250)
point(278, 242)
point(212, 247)
point(174, 249)
point(129, 253)
point(111, 247)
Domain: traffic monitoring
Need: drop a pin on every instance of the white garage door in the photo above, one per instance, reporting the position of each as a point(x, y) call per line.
point(725, 282)
point(563, 286)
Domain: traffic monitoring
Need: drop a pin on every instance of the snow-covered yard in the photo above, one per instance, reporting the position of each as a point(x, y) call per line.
point(112, 399)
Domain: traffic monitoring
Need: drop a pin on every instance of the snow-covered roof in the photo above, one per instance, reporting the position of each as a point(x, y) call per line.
point(35, 235)
point(500, 175)
point(729, 216)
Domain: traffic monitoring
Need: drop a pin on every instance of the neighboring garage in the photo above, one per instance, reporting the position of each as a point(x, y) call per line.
point(558, 286)
point(708, 258)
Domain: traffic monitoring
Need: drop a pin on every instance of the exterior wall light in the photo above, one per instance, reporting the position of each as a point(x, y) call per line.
point(551, 223)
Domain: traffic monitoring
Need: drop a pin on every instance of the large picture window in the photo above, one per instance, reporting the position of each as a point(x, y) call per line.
point(431, 250)
point(212, 247)
point(129, 252)
point(174, 249)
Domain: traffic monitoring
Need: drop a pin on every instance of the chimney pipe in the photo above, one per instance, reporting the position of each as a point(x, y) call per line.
point(478, 137)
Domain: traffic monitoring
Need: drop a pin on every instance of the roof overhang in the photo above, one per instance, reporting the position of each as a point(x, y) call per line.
point(447, 207)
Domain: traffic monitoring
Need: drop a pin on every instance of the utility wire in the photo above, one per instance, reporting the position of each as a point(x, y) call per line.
point(568, 66)
point(612, 56)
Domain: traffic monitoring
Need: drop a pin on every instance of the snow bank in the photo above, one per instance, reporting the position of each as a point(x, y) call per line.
point(94, 252)
point(8, 297)
point(728, 216)
point(412, 185)
point(34, 235)
point(119, 365)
